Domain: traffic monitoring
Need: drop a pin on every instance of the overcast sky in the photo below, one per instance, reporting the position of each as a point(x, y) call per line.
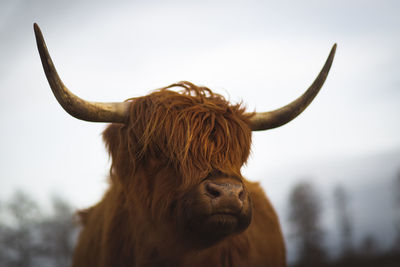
point(265, 53)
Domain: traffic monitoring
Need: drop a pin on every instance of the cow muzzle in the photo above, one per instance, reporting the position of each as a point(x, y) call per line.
point(219, 207)
point(225, 198)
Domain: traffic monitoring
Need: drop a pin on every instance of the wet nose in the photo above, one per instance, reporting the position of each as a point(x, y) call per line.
point(226, 194)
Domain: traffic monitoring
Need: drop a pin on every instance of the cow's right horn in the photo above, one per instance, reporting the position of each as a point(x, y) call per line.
point(75, 106)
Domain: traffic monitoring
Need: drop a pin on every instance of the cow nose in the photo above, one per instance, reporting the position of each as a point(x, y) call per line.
point(226, 194)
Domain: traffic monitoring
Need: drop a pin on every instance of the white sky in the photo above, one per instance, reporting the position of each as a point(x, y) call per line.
point(262, 52)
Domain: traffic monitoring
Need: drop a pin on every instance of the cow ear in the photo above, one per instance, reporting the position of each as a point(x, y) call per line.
point(114, 137)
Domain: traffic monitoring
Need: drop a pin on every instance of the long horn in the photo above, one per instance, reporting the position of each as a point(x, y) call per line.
point(272, 119)
point(75, 106)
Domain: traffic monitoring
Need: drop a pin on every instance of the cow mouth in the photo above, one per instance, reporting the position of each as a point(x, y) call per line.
point(223, 218)
point(212, 228)
point(208, 229)
point(224, 223)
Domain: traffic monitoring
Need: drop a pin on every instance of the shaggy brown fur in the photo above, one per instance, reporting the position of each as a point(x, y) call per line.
point(172, 142)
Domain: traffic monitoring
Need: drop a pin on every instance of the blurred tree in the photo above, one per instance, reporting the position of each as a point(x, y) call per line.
point(369, 247)
point(3, 230)
point(396, 245)
point(304, 217)
point(21, 236)
point(27, 238)
point(344, 221)
point(59, 234)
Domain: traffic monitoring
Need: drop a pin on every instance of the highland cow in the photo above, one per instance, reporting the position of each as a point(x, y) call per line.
point(177, 196)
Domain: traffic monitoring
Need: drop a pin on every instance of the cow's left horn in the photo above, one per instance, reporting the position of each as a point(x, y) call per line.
point(281, 116)
point(75, 106)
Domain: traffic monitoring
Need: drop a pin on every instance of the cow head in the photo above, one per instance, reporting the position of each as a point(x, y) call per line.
point(179, 154)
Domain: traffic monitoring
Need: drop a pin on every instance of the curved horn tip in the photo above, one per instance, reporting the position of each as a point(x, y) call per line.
point(75, 106)
point(36, 27)
point(281, 116)
point(37, 31)
point(333, 50)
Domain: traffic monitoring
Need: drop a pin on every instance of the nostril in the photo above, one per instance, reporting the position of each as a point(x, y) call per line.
point(212, 190)
point(241, 195)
